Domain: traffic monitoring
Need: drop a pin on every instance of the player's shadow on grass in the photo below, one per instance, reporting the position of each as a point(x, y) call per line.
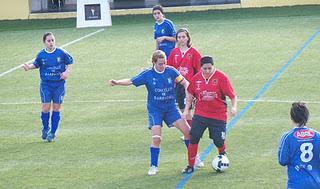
point(207, 172)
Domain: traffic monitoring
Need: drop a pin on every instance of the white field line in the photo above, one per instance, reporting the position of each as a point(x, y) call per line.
point(65, 45)
point(128, 101)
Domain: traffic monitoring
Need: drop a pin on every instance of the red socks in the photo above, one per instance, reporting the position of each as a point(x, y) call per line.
point(222, 149)
point(192, 154)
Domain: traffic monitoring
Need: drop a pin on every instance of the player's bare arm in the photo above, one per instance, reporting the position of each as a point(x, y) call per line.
point(65, 74)
point(234, 106)
point(28, 67)
point(123, 82)
point(189, 100)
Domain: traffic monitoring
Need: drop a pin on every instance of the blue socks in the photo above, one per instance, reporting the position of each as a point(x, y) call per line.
point(55, 118)
point(154, 152)
point(45, 120)
point(186, 142)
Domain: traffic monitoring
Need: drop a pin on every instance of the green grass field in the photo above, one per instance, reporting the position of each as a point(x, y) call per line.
point(104, 143)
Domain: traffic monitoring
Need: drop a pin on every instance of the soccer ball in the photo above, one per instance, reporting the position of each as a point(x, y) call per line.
point(220, 163)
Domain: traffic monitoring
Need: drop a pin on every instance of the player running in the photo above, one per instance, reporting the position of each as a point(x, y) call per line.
point(299, 150)
point(54, 66)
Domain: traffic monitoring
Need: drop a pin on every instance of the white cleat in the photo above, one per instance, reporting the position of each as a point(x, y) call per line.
point(198, 162)
point(153, 170)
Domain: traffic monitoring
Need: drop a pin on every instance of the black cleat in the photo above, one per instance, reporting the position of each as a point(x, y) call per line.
point(188, 170)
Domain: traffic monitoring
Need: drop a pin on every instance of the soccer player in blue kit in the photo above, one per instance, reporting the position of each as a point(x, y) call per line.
point(160, 81)
point(164, 31)
point(54, 66)
point(299, 150)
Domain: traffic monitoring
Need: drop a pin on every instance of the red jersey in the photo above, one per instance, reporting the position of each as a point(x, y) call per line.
point(188, 64)
point(211, 95)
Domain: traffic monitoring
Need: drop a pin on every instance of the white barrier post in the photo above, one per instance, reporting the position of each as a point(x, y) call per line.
point(93, 13)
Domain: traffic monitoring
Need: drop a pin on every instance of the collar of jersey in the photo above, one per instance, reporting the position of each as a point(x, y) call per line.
point(158, 71)
point(182, 54)
point(214, 71)
point(303, 127)
point(159, 23)
point(45, 49)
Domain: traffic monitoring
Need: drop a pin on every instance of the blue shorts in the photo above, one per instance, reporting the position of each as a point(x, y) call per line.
point(169, 116)
point(52, 91)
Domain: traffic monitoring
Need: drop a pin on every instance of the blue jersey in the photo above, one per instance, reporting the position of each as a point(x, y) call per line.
point(160, 86)
point(299, 149)
point(52, 64)
point(166, 28)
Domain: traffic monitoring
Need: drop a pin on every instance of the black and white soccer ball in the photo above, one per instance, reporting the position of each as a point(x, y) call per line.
point(220, 163)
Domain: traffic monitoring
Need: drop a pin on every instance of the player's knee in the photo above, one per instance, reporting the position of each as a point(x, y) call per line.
point(46, 108)
point(218, 142)
point(156, 140)
point(194, 139)
point(56, 108)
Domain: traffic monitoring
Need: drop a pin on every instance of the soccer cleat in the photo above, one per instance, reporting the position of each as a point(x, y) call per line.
point(188, 170)
point(50, 137)
point(153, 170)
point(44, 134)
point(198, 162)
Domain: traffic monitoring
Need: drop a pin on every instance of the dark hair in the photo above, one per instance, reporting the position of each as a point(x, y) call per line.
point(206, 60)
point(185, 30)
point(299, 113)
point(46, 35)
point(158, 7)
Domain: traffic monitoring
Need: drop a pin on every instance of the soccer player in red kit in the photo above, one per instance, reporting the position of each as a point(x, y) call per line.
point(186, 59)
point(209, 88)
